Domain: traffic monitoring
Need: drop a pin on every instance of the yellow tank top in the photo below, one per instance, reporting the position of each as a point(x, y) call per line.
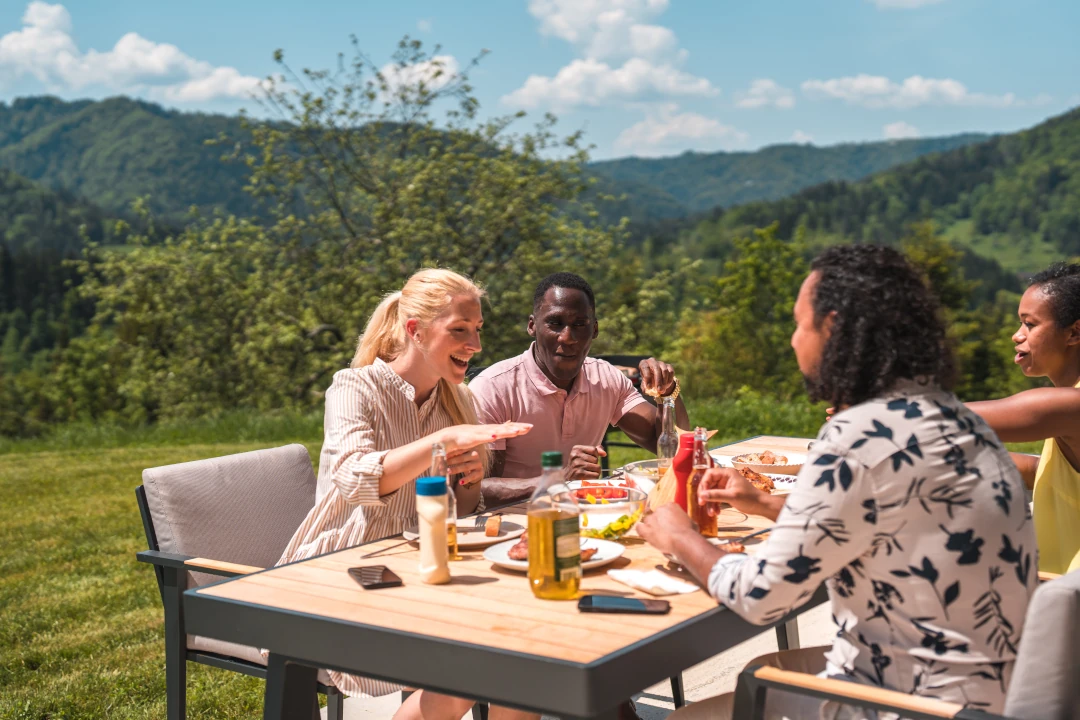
point(1056, 506)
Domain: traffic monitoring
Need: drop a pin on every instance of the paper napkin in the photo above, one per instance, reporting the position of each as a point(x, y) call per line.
point(653, 582)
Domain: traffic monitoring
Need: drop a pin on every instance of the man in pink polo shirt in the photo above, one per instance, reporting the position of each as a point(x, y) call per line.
point(569, 398)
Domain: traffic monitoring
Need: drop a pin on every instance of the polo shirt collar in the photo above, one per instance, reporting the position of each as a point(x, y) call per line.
point(543, 382)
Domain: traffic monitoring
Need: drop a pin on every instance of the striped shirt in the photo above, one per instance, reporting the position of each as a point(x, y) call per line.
point(369, 411)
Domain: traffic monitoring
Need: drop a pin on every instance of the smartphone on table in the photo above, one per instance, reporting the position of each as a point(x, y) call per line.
point(375, 577)
point(616, 604)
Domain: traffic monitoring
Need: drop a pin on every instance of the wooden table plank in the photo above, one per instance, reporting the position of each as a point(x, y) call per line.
point(483, 604)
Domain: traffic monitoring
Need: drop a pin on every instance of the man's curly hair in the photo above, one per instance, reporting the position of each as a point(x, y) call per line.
point(888, 325)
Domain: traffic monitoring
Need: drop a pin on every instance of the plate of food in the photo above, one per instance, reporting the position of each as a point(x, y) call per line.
point(770, 462)
point(469, 537)
point(514, 555)
point(644, 474)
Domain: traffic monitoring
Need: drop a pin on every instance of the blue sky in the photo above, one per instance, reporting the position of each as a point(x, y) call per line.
point(641, 77)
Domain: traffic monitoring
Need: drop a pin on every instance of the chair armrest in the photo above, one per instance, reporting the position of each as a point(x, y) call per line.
point(755, 680)
point(186, 562)
point(1048, 576)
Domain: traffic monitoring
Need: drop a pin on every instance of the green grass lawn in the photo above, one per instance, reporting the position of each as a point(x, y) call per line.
point(81, 635)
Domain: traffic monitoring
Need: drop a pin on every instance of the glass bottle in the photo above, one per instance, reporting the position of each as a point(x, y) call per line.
point(702, 462)
point(667, 445)
point(554, 534)
point(439, 469)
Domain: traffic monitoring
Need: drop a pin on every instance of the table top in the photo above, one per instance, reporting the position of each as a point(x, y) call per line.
point(483, 605)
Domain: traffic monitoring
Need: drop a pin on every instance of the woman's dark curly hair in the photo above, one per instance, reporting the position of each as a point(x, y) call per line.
point(888, 325)
point(1061, 284)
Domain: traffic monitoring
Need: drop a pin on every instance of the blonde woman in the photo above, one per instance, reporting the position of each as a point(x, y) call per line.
point(402, 393)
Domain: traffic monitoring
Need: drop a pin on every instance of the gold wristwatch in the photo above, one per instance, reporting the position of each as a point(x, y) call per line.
point(674, 393)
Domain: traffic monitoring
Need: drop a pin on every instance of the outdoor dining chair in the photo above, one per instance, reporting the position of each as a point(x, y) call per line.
point(1045, 683)
point(223, 516)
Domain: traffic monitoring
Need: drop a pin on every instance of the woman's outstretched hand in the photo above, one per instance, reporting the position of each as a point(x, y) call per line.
point(465, 437)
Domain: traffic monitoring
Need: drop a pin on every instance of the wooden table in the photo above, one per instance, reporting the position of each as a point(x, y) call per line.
point(482, 636)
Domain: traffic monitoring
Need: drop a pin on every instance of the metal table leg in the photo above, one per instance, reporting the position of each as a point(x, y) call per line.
point(291, 690)
point(787, 635)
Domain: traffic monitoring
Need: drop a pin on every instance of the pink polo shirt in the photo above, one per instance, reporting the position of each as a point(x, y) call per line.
point(517, 390)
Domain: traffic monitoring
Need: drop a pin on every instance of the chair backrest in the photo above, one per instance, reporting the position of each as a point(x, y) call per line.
point(1045, 683)
point(241, 508)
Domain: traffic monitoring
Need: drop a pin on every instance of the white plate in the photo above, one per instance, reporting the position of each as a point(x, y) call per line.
point(607, 552)
point(470, 538)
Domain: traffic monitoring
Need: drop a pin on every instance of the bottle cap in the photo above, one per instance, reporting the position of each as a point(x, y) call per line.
point(431, 486)
point(686, 440)
point(551, 459)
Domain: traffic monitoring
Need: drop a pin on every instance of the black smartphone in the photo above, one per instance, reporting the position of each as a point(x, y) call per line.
point(374, 577)
point(615, 604)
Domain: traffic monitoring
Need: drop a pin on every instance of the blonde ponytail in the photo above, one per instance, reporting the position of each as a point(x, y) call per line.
point(426, 295)
point(384, 336)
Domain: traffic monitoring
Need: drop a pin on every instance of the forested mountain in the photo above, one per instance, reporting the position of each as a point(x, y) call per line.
point(33, 218)
point(702, 181)
point(115, 150)
point(1013, 198)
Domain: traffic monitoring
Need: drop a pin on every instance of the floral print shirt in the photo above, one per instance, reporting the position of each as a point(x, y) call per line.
point(911, 511)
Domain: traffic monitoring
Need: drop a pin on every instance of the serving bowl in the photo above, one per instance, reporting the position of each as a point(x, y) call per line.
point(608, 510)
point(645, 474)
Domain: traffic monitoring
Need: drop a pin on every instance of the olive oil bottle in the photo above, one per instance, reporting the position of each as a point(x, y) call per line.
point(554, 535)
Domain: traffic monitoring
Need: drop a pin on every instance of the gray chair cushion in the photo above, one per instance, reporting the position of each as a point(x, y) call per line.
point(240, 652)
point(1046, 682)
point(240, 508)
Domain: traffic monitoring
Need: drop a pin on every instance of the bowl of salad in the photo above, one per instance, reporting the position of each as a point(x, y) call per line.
point(608, 507)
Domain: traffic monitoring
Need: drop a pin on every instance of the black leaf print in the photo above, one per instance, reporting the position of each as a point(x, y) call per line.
point(802, 567)
point(878, 659)
point(757, 593)
point(900, 573)
point(826, 459)
point(871, 508)
point(1004, 492)
point(844, 475)
point(899, 458)
point(762, 564)
point(831, 528)
point(1016, 556)
point(859, 443)
point(965, 543)
point(930, 574)
point(913, 446)
point(910, 409)
point(885, 593)
point(845, 583)
point(997, 674)
point(948, 495)
point(951, 593)
point(880, 430)
point(826, 478)
point(887, 541)
point(988, 612)
point(928, 677)
point(947, 412)
point(935, 639)
point(927, 572)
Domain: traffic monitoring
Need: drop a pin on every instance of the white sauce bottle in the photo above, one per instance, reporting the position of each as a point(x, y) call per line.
point(431, 508)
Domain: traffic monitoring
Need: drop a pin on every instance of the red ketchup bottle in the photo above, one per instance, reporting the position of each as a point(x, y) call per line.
point(683, 465)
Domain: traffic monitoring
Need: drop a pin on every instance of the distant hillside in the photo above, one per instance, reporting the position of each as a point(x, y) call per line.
point(1014, 198)
point(702, 181)
point(34, 218)
point(117, 149)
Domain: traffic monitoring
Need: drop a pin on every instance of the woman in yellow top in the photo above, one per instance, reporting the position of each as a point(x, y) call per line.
point(1048, 345)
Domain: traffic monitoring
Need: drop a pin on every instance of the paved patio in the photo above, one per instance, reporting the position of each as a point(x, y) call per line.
point(713, 677)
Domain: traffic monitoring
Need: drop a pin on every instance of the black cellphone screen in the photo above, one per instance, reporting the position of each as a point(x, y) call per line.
point(374, 577)
point(615, 604)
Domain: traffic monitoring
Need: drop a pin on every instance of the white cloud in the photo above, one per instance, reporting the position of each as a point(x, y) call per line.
point(622, 56)
point(436, 73)
point(875, 91)
point(900, 130)
point(424, 25)
point(763, 93)
point(903, 4)
point(594, 83)
point(669, 131)
point(801, 138)
point(45, 49)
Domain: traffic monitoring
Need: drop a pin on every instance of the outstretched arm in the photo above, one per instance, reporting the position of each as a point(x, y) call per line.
point(1034, 415)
